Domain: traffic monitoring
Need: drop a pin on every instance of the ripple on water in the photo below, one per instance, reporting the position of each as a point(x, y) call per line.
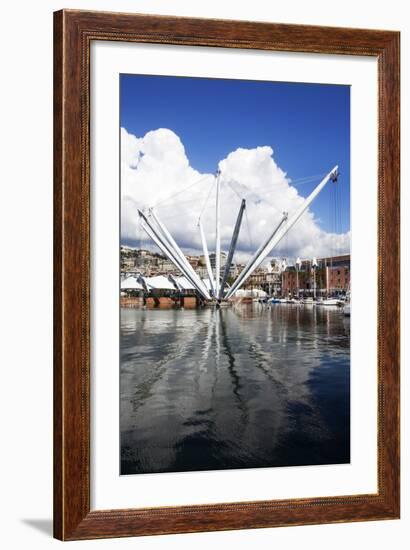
point(233, 388)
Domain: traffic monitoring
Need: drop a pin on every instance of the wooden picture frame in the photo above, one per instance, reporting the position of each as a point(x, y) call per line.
point(74, 32)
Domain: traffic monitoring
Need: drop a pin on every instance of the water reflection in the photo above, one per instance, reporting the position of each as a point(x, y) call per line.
point(240, 387)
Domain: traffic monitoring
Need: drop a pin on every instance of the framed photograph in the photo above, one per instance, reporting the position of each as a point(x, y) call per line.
point(226, 275)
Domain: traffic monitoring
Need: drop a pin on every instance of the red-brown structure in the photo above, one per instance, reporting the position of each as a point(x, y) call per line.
point(331, 276)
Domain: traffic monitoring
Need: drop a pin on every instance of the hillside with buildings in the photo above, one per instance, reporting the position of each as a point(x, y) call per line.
point(325, 275)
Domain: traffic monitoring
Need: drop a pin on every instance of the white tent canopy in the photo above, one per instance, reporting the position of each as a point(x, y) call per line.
point(131, 283)
point(158, 283)
point(250, 293)
point(183, 283)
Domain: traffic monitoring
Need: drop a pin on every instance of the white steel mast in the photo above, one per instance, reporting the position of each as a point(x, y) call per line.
point(249, 266)
point(206, 255)
point(164, 248)
point(217, 235)
point(175, 248)
point(279, 233)
point(171, 255)
point(232, 247)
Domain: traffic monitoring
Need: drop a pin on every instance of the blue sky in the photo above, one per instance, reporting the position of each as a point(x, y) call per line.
point(307, 126)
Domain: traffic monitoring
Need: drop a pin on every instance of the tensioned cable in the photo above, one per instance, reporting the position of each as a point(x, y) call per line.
point(251, 191)
point(173, 206)
point(246, 214)
point(178, 215)
point(257, 192)
point(299, 181)
point(249, 229)
point(306, 179)
point(181, 191)
point(294, 183)
point(233, 189)
point(207, 198)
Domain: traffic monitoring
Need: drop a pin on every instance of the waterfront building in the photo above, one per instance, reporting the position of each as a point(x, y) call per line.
point(193, 260)
point(265, 279)
point(212, 259)
point(331, 276)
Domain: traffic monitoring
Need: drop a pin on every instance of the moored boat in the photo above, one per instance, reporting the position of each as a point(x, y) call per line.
point(331, 302)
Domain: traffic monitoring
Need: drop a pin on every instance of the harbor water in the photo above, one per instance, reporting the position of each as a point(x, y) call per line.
point(240, 387)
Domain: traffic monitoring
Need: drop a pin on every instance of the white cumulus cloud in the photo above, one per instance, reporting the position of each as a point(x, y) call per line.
point(155, 172)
